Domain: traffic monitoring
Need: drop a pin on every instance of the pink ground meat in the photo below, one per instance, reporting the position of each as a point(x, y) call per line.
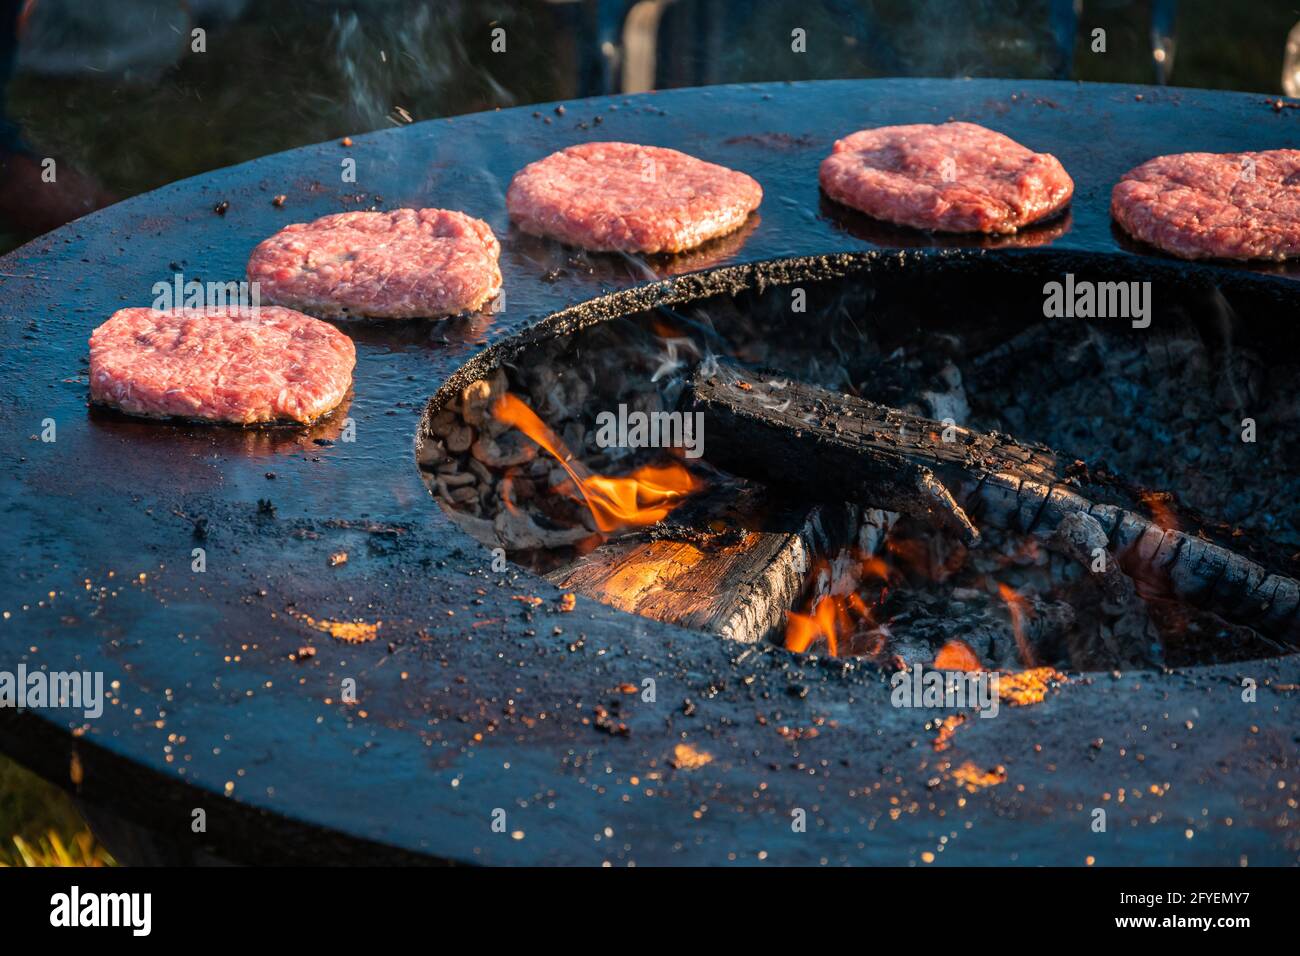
point(953, 177)
point(238, 365)
point(1214, 205)
point(408, 263)
point(621, 197)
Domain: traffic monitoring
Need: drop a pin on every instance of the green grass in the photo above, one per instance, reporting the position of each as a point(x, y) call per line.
point(41, 826)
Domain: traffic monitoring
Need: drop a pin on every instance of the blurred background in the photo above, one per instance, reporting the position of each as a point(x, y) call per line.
point(129, 95)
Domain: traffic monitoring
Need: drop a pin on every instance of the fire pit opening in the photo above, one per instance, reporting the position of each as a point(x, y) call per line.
point(976, 461)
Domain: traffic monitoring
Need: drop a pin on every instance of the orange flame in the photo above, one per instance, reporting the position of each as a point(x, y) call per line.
point(1018, 608)
point(643, 498)
point(508, 492)
point(828, 620)
point(834, 617)
point(875, 567)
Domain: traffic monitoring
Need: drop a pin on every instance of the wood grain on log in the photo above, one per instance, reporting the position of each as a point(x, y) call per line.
point(731, 562)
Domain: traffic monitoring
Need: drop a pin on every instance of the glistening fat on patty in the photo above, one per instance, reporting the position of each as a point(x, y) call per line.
point(238, 365)
point(621, 197)
point(1214, 205)
point(951, 177)
point(407, 263)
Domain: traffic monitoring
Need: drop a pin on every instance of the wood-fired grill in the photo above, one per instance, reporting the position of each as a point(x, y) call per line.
point(474, 695)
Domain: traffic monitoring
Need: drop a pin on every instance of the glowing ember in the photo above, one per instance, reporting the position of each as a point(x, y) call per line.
point(1160, 504)
point(686, 757)
point(1022, 688)
point(957, 655)
point(948, 727)
point(644, 497)
point(970, 776)
point(350, 632)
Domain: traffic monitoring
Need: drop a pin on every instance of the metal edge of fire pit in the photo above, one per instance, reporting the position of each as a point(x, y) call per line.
point(455, 720)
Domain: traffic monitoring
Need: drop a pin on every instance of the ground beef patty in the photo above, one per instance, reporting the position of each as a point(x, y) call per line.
point(222, 365)
point(620, 197)
point(1214, 205)
point(408, 263)
point(954, 177)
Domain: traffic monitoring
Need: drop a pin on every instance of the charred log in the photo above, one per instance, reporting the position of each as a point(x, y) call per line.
point(1126, 635)
point(838, 447)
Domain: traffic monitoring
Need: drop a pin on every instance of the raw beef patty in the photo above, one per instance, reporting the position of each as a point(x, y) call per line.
point(221, 365)
point(620, 197)
point(408, 263)
point(1214, 205)
point(954, 177)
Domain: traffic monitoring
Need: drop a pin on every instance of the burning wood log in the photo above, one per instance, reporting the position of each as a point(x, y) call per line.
point(828, 446)
point(731, 562)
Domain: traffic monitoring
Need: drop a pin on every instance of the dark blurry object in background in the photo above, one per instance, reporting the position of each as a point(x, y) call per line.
point(38, 192)
point(1065, 15)
point(1163, 14)
point(117, 91)
point(1291, 63)
point(731, 41)
point(71, 37)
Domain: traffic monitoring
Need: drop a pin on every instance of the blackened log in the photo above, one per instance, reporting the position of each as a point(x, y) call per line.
point(837, 447)
point(730, 562)
point(1127, 636)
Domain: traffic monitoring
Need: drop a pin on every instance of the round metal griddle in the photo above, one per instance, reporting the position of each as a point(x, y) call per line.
point(470, 700)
